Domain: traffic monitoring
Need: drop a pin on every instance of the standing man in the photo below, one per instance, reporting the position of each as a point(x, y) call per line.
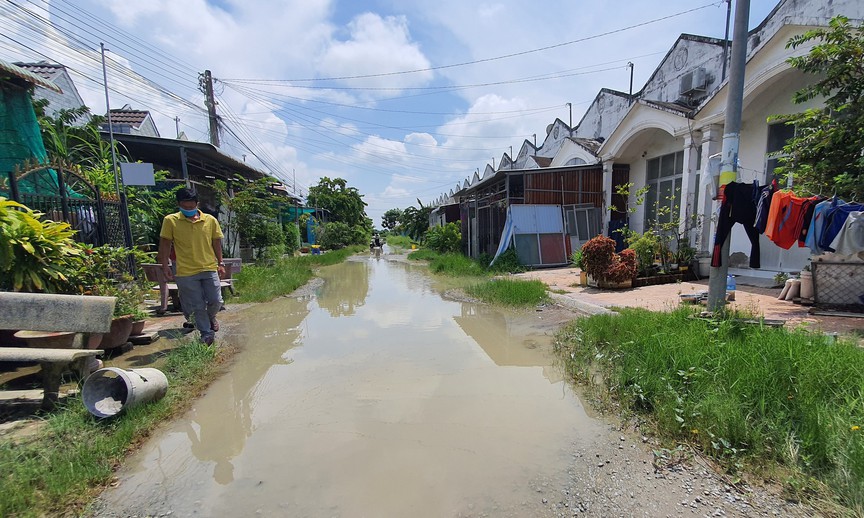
point(197, 241)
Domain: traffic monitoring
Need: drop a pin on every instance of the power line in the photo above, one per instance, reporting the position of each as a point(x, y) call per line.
point(486, 60)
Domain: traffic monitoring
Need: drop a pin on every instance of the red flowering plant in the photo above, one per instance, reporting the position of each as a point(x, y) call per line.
point(602, 263)
point(624, 269)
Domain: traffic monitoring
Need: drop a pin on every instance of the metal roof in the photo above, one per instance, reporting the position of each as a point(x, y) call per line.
point(28, 76)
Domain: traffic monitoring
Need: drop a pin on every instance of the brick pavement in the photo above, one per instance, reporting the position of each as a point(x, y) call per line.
point(664, 297)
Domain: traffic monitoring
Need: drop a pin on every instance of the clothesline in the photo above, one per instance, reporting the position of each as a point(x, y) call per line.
point(822, 224)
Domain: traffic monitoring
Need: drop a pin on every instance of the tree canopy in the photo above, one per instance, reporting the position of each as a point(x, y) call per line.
point(826, 155)
point(344, 203)
point(390, 219)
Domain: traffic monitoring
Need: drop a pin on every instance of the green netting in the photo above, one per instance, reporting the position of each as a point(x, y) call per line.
point(291, 213)
point(20, 140)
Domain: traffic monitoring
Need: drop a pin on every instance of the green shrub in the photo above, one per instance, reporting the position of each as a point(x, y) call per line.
point(645, 246)
point(292, 237)
point(36, 255)
point(444, 239)
point(576, 259)
point(262, 232)
point(507, 262)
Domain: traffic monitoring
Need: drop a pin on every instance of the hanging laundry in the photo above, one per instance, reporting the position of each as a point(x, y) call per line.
point(779, 203)
point(850, 239)
point(788, 218)
point(737, 207)
point(817, 224)
point(834, 222)
point(762, 198)
point(809, 210)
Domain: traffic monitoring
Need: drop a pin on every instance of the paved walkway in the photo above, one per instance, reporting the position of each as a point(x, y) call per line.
point(761, 301)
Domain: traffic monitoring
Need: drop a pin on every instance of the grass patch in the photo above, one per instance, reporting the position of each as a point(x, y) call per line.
point(73, 455)
point(453, 265)
point(510, 292)
point(504, 292)
point(397, 241)
point(743, 394)
point(256, 283)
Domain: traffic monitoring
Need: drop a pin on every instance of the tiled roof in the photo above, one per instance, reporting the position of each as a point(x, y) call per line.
point(132, 117)
point(588, 143)
point(42, 69)
point(28, 76)
point(542, 161)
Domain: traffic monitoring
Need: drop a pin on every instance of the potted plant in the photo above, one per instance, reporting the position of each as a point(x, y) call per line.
point(107, 271)
point(139, 320)
point(577, 260)
point(597, 257)
point(684, 255)
point(609, 269)
point(623, 270)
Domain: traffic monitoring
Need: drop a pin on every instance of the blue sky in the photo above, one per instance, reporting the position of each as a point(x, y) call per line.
point(318, 88)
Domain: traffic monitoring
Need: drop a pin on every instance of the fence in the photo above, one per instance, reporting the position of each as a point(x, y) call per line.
point(839, 285)
point(63, 195)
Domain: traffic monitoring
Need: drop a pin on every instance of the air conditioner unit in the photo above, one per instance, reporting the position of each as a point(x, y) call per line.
point(693, 82)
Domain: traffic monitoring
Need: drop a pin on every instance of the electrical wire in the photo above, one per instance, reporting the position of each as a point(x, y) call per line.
point(487, 60)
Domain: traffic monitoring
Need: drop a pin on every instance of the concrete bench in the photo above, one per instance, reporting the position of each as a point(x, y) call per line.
point(55, 313)
point(168, 289)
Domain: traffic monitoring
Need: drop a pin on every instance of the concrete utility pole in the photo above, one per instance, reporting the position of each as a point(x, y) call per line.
point(731, 137)
point(110, 122)
point(630, 66)
point(211, 108)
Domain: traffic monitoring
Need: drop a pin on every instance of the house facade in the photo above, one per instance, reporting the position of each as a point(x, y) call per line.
point(665, 139)
point(125, 120)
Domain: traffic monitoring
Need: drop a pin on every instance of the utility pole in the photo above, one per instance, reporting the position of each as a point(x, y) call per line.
point(210, 102)
point(121, 195)
point(110, 124)
point(177, 125)
point(570, 126)
point(630, 65)
point(731, 137)
point(726, 39)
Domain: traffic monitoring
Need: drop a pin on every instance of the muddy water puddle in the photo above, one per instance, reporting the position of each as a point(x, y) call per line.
point(374, 397)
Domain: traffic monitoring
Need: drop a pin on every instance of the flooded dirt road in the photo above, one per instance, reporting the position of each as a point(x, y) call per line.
point(377, 397)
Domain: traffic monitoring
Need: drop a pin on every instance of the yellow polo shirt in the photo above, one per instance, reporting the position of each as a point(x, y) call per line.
point(193, 242)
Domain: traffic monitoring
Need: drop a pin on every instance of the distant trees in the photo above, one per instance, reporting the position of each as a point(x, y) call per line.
point(348, 223)
point(390, 219)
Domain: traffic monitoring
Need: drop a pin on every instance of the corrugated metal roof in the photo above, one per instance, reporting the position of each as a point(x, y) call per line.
point(28, 76)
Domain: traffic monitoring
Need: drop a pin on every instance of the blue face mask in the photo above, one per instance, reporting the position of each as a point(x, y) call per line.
point(188, 213)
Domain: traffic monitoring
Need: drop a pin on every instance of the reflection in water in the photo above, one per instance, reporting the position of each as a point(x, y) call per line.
point(378, 398)
point(344, 289)
point(492, 329)
point(218, 425)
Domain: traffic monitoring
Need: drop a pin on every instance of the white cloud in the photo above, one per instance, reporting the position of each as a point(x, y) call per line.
point(376, 45)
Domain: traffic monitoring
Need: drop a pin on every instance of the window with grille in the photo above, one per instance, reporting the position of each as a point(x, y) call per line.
point(663, 178)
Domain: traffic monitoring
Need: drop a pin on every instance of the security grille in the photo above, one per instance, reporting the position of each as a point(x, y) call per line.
point(839, 285)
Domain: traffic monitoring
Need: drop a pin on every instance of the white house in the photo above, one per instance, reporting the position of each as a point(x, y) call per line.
point(663, 136)
point(668, 134)
point(133, 122)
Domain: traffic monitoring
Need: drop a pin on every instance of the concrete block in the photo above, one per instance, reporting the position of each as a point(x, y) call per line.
point(49, 312)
